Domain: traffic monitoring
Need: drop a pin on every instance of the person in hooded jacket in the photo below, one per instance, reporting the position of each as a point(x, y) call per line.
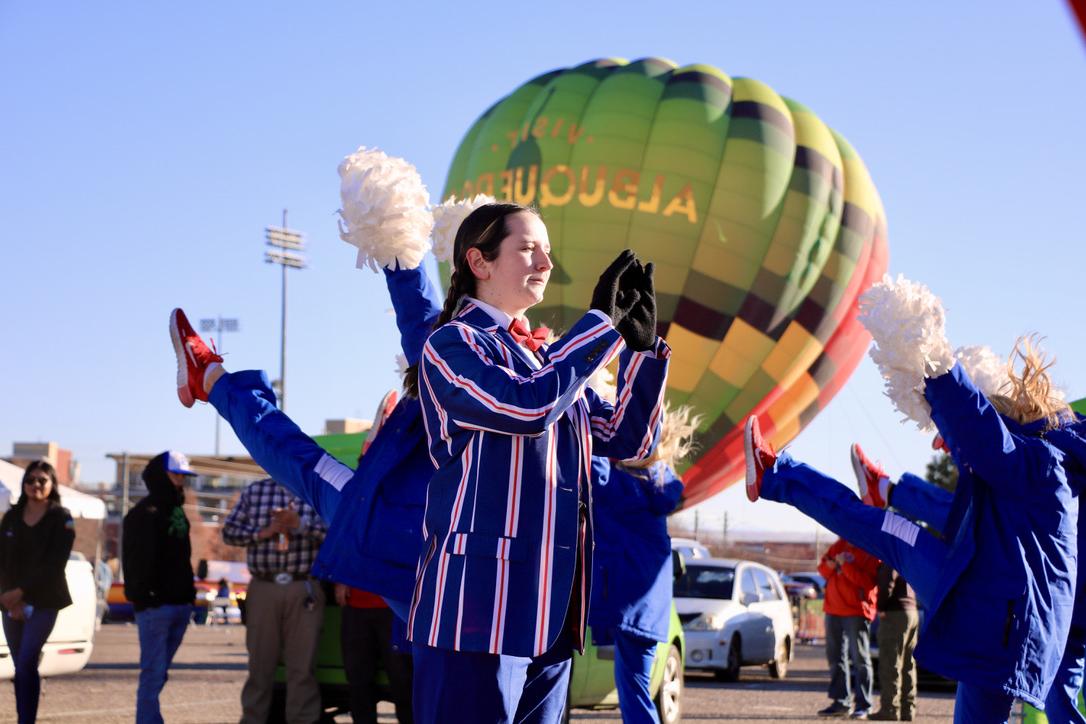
point(158, 580)
point(998, 586)
point(632, 564)
point(36, 536)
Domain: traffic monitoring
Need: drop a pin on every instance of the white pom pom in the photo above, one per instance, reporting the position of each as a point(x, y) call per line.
point(447, 219)
point(602, 383)
point(908, 326)
point(385, 210)
point(401, 366)
point(987, 370)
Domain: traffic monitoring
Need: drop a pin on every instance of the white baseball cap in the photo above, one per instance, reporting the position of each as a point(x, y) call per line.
point(178, 462)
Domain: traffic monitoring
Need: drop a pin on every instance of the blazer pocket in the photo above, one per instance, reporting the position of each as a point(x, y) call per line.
point(486, 546)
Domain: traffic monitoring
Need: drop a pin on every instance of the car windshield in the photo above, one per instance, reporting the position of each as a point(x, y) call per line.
point(705, 582)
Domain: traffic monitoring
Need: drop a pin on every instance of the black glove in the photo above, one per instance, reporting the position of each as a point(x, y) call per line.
point(638, 326)
point(606, 296)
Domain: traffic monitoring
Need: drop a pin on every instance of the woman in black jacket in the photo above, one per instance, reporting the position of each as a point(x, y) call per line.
point(36, 536)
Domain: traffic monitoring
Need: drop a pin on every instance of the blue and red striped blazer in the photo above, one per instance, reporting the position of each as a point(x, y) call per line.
point(508, 512)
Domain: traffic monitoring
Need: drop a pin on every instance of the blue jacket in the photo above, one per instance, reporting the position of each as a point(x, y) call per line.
point(631, 564)
point(1001, 613)
point(508, 512)
point(374, 539)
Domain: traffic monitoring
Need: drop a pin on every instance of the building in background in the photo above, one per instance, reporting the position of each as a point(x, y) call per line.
point(24, 453)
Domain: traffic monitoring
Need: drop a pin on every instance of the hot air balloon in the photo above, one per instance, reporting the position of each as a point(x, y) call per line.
point(763, 223)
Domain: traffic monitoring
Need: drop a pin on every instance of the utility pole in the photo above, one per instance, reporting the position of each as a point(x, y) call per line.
point(218, 326)
point(290, 245)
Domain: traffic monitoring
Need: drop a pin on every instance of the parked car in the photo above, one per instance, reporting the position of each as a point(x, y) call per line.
point(690, 549)
point(811, 578)
point(69, 646)
point(592, 679)
point(797, 589)
point(734, 613)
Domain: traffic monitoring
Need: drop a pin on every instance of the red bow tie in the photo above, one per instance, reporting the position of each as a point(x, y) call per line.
point(533, 339)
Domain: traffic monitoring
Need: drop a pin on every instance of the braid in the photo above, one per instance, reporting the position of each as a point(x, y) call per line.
point(458, 289)
point(482, 229)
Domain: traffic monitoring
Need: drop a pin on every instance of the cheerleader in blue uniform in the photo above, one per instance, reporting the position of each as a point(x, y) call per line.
point(998, 585)
point(374, 513)
point(503, 583)
point(632, 575)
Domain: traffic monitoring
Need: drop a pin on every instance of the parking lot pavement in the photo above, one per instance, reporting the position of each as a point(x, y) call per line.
point(206, 679)
point(758, 698)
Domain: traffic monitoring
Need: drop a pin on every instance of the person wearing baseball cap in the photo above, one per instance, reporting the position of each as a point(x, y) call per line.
point(158, 580)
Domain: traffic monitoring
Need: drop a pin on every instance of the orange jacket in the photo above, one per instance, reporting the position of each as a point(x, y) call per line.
point(851, 584)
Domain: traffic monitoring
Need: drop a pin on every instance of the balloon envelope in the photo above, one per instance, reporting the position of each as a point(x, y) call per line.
point(762, 221)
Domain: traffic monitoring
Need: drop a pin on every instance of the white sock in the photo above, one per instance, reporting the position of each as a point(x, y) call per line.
point(884, 489)
point(213, 367)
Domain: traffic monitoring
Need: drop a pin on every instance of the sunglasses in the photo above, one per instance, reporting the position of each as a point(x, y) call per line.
point(42, 482)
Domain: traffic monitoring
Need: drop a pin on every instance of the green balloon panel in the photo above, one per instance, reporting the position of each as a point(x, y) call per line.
point(763, 223)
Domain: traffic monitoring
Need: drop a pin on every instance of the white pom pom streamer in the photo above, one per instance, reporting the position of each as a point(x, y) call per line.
point(602, 383)
point(987, 370)
point(907, 322)
point(385, 210)
point(447, 219)
point(401, 366)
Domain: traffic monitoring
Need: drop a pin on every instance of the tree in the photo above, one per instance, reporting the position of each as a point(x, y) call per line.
point(941, 471)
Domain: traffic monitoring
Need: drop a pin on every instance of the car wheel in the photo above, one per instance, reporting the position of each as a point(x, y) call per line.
point(669, 698)
point(730, 672)
point(778, 667)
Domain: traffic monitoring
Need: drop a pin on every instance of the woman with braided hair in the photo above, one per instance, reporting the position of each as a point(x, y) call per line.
point(503, 585)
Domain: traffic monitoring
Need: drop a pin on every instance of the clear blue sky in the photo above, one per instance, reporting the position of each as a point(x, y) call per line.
point(145, 148)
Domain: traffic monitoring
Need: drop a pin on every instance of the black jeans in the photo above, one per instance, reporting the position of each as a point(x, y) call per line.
point(366, 642)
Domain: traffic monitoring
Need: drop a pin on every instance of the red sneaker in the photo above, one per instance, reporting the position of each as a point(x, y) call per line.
point(759, 455)
point(193, 358)
point(868, 475)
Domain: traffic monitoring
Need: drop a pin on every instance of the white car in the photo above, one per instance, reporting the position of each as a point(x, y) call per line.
point(69, 645)
point(689, 548)
point(734, 613)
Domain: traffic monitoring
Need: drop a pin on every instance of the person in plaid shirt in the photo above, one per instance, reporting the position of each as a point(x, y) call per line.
point(284, 606)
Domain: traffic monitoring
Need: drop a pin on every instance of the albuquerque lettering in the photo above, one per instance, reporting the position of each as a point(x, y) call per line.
point(589, 186)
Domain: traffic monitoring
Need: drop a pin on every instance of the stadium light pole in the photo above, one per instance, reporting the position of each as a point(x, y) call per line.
point(218, 326)
point(288, 247)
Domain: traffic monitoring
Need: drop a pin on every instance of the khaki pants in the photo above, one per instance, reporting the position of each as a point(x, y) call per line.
point(276, 622)
point(898, 631)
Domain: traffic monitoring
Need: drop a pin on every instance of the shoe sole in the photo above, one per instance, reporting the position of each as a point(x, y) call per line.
point(750, 456)
point(859, 471)
point(183, 392)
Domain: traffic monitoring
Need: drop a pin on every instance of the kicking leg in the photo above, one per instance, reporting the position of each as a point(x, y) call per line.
point(917, 499)
point(916, 553)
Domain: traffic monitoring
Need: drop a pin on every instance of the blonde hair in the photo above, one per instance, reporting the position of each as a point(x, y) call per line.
point(1030, 396)
point(675, 443)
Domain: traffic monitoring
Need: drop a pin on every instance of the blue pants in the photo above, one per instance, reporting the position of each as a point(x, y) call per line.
point(634, 656)
point(979, 705)
point(26, 639)
point(160, 630)
point(848, 652)
point(470, 686)
point(246, 401)
point(917, 499)
point(909, 549)
point(1061, 704)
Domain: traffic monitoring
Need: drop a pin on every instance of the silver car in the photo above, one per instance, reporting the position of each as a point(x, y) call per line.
point(734, 613)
